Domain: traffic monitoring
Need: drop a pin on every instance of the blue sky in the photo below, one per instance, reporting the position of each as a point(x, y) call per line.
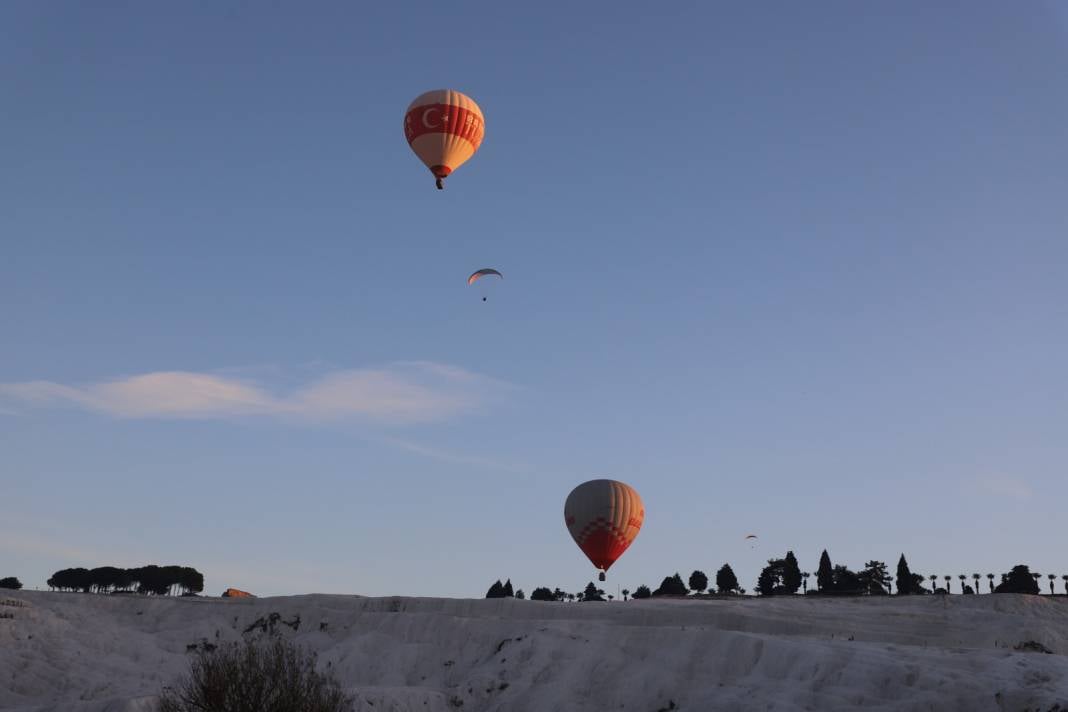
point(791, 270)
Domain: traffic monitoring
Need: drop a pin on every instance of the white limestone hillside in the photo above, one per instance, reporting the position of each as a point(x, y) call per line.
point(88, 653)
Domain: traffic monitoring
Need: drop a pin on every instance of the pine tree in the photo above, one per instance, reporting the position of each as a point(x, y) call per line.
point(791, 574)
point(825, 574)
point(507, 590)
point(496, 590)
point(642, 592)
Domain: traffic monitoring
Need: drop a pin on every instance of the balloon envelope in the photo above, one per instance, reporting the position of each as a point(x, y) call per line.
point(603, 517)
point(444, 128)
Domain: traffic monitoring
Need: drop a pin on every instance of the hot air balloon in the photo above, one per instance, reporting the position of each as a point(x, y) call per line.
point(603, 517)
point(444, 129)
point(479, 274)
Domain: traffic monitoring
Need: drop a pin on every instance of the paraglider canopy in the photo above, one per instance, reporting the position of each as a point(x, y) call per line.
point(479, 274)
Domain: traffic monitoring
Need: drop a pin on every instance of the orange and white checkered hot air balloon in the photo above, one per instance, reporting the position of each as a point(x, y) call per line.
point(444, 128)
point(604, 517)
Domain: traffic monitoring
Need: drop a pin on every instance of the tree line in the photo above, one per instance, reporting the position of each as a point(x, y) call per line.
point(151, 579)
point(785, 577)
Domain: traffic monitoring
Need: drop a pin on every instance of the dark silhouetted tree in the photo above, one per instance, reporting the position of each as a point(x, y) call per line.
point(672, 586)
point(496, 590)
point(726, 581)
point(804, 581)
point(962, 578)
point(508, 592)
point(626, 593)
point(846, 581)
point(872, 578)
point(520, 595)
point(1052, 578)
point(825, 573)
point(791, 574)
point(990, 582)
point(1019, 580)
point(934, 582)
point(698, 581)
point(642, 592)
point(542, 594)
point(1065, 578)
point(592, 593)
point(770, 581)
point(11, 583)
point(905, 581)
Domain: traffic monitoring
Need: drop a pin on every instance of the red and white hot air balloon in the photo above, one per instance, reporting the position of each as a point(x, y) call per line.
point(444, 128)
point(603, 517)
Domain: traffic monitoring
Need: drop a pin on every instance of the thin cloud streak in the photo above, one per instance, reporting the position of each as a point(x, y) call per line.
point(1007, 487)
point(400, 393)
point(457, 458)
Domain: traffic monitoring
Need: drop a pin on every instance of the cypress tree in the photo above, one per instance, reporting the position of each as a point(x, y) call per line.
point(508, 592)
point(791, 573)
point(825, 573)
point(905, 583)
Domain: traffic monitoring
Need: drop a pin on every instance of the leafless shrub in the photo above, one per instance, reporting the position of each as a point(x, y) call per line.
point(271, 676)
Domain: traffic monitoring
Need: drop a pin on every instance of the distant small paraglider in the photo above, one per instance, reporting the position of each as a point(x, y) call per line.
point(752, 539)
point(444, 128)
point(479, 274)
point(603, 517)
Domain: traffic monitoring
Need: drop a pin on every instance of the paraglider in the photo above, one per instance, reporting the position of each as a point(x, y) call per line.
point(479, 274)
point(444, 128)
point(751, 539)
point(603, 517)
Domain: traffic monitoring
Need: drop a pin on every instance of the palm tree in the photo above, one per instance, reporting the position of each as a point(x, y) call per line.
point(1036, 576)
point(976, 577)
point(934, 578)
point(948, 578)
point(990, 581)
point(626, 592)
point(806, 574)
point(1065, 577)
point(961, 577)
point(1052, 578)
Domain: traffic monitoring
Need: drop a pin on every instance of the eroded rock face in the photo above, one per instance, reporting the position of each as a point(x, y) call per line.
point(236, 593)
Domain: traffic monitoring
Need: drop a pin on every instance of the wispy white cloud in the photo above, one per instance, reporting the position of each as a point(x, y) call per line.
point(405, 392)
point(479, 461)
point(1006, 487)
